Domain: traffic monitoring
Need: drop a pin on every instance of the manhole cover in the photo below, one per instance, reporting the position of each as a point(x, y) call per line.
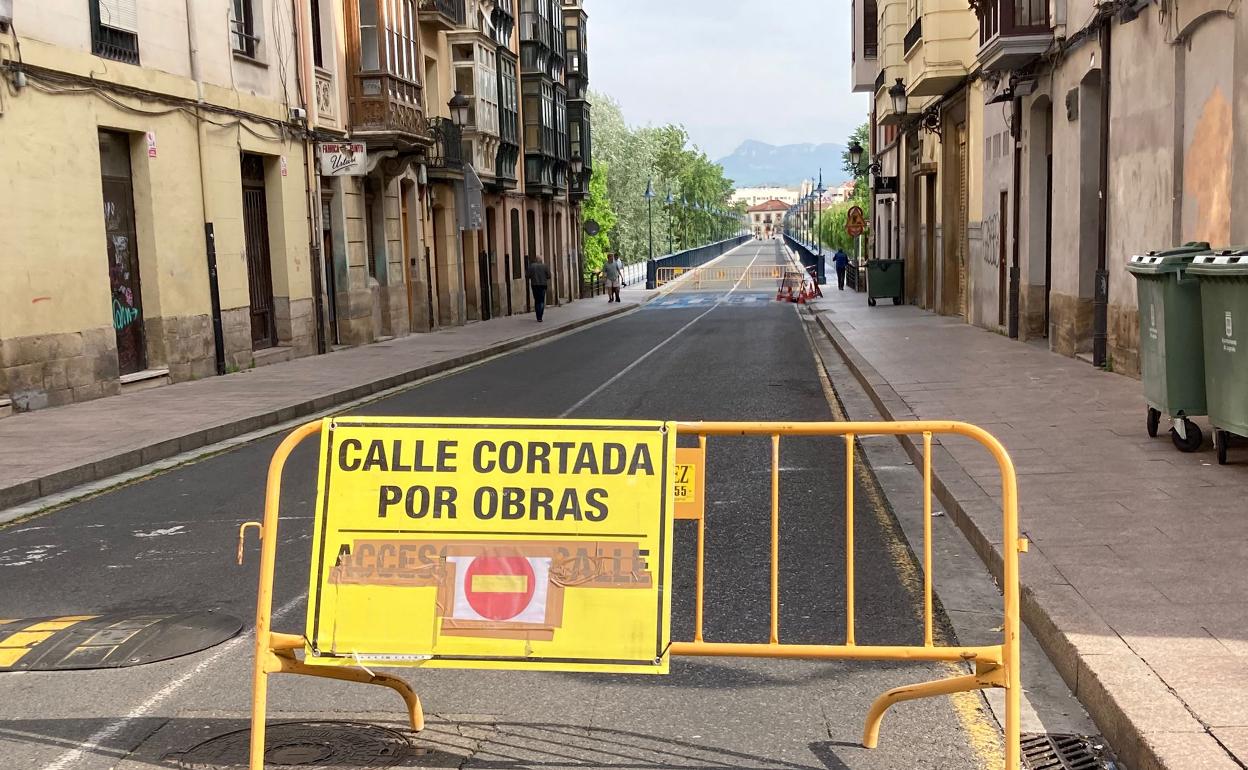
point(1065, 752)
point(327, 745)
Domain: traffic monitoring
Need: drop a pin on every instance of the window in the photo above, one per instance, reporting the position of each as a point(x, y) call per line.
point(114, 30)
point(243, 36)
point(318, 57)
point(370, 53)
point(870, 27)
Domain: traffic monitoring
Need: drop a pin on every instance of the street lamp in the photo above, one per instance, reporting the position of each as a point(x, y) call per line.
point(819, 225)
point(855, 155)
point(670, 201)
point(898, 92)
point(578, 165)
point(459, 109)
point(650, 212)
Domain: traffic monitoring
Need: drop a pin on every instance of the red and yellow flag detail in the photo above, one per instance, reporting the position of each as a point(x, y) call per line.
point(542, 544)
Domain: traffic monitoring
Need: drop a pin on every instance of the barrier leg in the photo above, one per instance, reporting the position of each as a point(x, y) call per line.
point(416, 715)
point(989, 676)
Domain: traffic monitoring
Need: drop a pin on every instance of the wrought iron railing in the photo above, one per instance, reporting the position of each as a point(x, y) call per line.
point(914, 35)
point(115, 44)
point(448, 145)
point(452, 9)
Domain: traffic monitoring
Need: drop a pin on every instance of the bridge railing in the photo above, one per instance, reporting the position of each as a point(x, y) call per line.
point(691, 257)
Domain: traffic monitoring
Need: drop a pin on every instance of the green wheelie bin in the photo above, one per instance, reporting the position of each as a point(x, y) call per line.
point(886, 279)
point(1172, 364)
point(1223, 278)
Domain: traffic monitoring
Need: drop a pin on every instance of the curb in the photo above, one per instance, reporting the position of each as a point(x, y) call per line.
point(66, 478)
point(1148, 726)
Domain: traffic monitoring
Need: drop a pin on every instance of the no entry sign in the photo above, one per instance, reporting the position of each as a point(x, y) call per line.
point(493, 544)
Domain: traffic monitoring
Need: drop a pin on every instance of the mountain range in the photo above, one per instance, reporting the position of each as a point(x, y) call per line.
point(757, 163)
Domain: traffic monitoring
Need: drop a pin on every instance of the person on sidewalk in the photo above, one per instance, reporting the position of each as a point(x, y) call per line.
point(539, 278)
point(841, 261)
point(613, 275)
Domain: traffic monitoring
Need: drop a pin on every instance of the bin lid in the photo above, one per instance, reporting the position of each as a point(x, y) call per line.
point(1167, 260)
point(1223, 262)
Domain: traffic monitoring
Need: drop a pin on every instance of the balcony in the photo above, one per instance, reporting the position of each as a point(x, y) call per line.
point(939, 48)
point(1012, 33)
point(866, 45)
point(442, 15)
point(382, 103)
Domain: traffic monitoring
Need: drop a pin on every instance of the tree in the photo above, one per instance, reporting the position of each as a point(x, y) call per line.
point(598, 208)
point(664, 157)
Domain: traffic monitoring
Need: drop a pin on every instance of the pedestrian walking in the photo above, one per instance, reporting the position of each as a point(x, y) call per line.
point(841, 261)
point(613, 275)
point(539, 278)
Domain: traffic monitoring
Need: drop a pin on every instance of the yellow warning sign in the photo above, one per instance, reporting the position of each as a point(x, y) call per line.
point(688, 479)
point(537, 544)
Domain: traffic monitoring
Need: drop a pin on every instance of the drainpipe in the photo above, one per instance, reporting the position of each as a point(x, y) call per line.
point(305, 83)
point(1017, 135)
point(214, 287)
point(1100, 296)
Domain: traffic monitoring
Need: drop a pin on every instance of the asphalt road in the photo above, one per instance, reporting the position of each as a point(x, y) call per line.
point(166, 543)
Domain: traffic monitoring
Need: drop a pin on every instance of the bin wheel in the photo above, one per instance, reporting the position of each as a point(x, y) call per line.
point(871, 301)
point(1154, 420)
point(896, 300)
point(1194, 437)
point(1220, 440)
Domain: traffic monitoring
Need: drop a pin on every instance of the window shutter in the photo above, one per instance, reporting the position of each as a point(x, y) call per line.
point(119, 14)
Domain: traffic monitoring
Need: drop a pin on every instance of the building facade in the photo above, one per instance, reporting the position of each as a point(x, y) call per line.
point(1042, 144)
point(767, 219)
point(217, 191)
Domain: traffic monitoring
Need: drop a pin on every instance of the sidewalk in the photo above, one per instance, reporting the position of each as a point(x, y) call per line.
point(51, 450)
point(1135, 584)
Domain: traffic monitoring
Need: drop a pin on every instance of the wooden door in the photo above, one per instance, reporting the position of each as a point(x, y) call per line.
point(259, 264)
point(122, 248)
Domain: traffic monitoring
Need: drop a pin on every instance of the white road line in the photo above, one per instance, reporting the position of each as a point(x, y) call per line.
point(109, 731)
point(655, 349)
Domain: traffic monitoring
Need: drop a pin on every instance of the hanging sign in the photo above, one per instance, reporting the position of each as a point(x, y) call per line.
point(343, 158)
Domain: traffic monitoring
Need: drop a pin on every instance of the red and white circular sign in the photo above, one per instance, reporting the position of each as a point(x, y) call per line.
point(499, 587)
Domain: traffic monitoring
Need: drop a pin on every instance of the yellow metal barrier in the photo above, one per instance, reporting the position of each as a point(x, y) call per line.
point(995, 665)
point(711, 276)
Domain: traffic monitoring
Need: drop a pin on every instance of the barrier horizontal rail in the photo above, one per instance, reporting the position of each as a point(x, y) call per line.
point(697, 277)
point(995, 665)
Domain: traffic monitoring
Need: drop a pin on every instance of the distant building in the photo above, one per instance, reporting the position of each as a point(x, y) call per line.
point(840, 193)
point(754, 196)
point(767, 218)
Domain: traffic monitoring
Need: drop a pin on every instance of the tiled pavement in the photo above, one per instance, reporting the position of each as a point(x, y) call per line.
point(1136, 582)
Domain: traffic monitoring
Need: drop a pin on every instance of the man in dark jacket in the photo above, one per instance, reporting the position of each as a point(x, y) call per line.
point(841, 261)
point(539, 278)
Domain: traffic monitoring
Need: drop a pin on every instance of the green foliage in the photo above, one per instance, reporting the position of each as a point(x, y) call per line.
point(665, 156)
point(832, 228)
point(598, 208)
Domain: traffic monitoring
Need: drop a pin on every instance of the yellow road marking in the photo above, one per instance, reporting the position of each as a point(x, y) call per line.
point(9, 657)
point(24, 638)
point(16, 645)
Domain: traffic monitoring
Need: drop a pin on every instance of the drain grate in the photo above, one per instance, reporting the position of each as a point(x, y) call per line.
point(1065, 752)
point(318, 745)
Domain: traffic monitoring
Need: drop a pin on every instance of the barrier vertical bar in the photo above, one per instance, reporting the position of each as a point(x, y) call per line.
point(264, 598)
point(849, 538)
point(1013, 690)
point(775, 538)
point(927, 538)
point(697, 635)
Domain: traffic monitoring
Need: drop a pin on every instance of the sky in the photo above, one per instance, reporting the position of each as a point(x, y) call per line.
point(728, 70)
